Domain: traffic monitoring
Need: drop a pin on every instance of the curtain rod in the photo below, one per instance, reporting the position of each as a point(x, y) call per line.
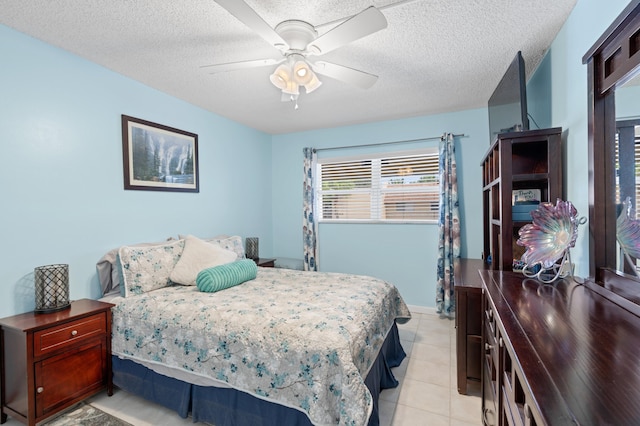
point(385, 143)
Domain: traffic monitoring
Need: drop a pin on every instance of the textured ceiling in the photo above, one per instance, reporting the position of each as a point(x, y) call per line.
point(435, 55)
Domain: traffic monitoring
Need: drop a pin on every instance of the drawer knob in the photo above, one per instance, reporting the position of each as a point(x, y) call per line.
point(74, 333)
point(488, 347)
point(40, 389)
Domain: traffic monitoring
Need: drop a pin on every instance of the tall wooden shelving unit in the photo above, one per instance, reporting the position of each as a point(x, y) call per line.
point(519, 160)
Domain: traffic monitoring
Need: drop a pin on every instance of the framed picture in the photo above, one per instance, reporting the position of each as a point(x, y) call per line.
point(158, 158)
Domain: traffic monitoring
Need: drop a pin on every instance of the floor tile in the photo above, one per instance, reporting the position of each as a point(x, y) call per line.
point(409, 416)
point(425, 396)
point(428, 371)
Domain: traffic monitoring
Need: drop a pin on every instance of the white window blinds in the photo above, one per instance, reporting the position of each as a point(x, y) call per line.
point(387, 188)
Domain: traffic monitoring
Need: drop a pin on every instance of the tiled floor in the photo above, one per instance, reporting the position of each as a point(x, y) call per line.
point(427, 393)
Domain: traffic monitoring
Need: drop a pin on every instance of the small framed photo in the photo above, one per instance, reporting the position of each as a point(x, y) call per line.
point(158, 158)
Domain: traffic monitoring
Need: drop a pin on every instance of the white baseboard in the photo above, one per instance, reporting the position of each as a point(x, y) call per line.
point(422, 310)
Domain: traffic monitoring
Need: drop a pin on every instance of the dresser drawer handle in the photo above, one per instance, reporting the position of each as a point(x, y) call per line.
point(40, 389)
point(74, 333)
point(488, 347)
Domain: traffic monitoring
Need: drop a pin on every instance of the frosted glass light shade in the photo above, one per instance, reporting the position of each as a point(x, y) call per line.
point(313, 84)
point(302, 73)
point(281, 77)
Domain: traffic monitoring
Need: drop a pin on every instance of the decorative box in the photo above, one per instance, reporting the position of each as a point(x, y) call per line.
point(521, 212)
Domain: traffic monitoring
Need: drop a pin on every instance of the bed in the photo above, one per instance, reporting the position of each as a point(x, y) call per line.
point(284, 347)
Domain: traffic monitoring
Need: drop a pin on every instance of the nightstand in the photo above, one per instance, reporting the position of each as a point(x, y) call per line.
point(265, 263)
point(54, 360)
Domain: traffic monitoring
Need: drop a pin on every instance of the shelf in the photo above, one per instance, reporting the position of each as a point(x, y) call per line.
point(517, 161)
point(492, 184)
point(530, 177)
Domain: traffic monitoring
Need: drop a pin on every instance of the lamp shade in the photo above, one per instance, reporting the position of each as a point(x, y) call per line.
point(51, 284)
point(252, 248)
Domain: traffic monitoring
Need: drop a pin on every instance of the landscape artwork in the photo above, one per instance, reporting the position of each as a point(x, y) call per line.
point(158, 158)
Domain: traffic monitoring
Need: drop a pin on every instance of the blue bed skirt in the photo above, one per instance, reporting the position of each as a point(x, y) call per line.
point(229, 407)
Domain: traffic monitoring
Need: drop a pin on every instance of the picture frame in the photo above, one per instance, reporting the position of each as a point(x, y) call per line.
point(158, 158)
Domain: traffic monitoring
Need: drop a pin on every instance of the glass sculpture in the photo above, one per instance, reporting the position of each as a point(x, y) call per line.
point(548, 239)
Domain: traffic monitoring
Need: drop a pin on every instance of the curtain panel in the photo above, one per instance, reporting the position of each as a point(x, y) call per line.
point(449, 228)
point(309, 227)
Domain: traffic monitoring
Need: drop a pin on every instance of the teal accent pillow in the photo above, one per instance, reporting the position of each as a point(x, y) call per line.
point(228, 275)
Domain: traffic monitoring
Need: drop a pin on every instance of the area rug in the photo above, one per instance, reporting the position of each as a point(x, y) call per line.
point(85, 415)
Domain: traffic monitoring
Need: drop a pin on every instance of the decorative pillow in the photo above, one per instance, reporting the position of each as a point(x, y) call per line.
point(198, 255)
point(224, 276)
point(148, 268)
point(110, 272)
point(233, 243)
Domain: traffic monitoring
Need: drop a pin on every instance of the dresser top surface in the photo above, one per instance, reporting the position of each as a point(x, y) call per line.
point(579, 351)
point(467, 275)
point(31, 321)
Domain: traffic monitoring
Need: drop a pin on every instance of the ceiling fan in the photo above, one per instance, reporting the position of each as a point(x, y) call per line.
point(299, 44)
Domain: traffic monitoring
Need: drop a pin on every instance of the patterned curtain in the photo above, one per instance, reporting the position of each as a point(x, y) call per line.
point(309, 230)
point(449, 228)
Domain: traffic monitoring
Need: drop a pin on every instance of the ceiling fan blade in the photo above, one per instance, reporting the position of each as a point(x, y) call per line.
point(245, 14)
point(360, 79)
point(233, 66)
point(367, 22)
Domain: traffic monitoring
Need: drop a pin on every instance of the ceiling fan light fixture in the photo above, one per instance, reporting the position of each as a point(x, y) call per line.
point(281, 77)
point(291, 88)
point(302, 72)
point(313, 84)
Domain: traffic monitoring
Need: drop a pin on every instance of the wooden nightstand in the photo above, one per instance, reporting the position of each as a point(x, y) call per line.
point(54, 360)
point(265, 263)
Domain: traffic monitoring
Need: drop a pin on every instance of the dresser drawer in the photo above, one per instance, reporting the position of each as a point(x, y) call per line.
point(69, 333)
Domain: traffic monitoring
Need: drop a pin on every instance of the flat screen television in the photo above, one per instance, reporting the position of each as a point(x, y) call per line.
point(508, 103)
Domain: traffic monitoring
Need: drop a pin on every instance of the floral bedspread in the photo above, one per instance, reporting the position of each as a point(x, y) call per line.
point(302, 339)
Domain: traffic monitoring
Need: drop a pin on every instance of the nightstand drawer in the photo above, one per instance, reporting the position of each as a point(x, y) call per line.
point(65, 334)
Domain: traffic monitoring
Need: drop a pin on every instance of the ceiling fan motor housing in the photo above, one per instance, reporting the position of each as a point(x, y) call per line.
point(297, 34)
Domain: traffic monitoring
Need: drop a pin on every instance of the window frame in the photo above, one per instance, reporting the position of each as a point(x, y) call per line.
point(377, 191)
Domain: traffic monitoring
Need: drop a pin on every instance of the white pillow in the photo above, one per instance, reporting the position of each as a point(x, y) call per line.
point(198, 255)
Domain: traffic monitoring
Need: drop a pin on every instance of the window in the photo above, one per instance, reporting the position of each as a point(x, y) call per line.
point(395, 187)
point(627, 141)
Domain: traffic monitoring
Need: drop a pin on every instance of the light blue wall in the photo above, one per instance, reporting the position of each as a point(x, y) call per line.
point(62, 184)
point(405, 255)
point(627, 102)
point(568, 82)
point(539, 96)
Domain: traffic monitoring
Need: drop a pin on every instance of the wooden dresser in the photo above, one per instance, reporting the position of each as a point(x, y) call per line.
point(468, 293)
point(51, 361)
point(561, 354)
